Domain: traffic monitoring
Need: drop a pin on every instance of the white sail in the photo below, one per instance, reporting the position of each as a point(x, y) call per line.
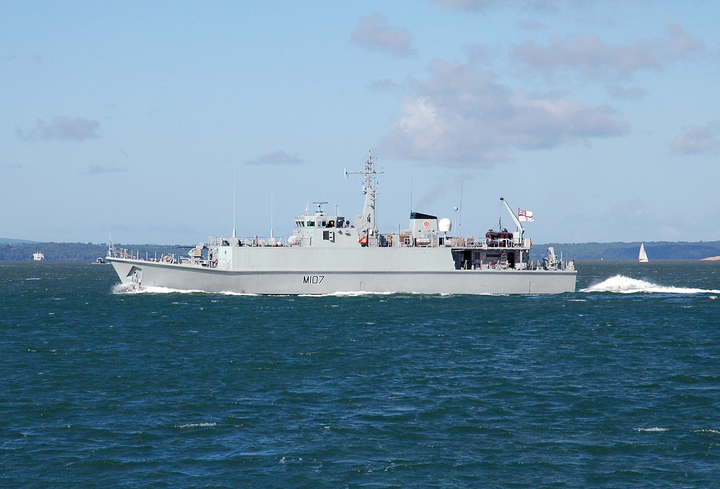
point(642, 258)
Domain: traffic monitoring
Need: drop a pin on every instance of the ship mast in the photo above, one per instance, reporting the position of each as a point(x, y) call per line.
point(366, 221)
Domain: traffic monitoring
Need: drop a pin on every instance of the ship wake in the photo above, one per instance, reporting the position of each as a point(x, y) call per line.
point(621, 284)
point(135, 289)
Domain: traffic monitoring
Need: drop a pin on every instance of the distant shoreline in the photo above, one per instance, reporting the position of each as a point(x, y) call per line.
point(656, 250)
point(16, 250)
point(78, 251)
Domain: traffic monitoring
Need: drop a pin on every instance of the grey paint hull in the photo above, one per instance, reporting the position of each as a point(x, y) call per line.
point(329, 254)
point(327, 281)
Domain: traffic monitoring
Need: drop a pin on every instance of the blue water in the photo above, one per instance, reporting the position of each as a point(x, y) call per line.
point(616, 385)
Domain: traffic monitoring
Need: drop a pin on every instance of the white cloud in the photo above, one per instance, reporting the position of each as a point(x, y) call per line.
point(698, 140)
point(61, 127)
point(376, 34)
point(595, 59)
point(463, 116)
point(276, 158)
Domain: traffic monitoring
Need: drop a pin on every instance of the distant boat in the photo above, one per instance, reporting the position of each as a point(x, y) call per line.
point(38, 256)
point(642, 258)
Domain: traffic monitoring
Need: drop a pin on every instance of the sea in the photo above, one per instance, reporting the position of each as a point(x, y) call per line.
point(615, 385)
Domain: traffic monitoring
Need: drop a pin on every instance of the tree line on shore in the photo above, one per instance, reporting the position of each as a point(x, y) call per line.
point(659, 250)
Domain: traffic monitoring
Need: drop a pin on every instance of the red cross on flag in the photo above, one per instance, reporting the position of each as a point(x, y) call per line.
point(525, 215)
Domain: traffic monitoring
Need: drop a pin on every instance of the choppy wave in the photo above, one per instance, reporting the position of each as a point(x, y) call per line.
point(621, 284)
point(197, 425)
point(141, 381)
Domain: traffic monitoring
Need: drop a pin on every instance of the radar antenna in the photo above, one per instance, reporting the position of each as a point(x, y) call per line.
point(319, 211)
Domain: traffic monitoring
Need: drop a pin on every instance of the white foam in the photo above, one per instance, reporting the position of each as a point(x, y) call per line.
point(651, 430)
point(621, 284)
point(351, 293)
point(227, 292)
point(134, 289)
point(197, 425)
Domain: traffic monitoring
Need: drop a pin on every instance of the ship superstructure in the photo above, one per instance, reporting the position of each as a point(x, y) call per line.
point(329, 253)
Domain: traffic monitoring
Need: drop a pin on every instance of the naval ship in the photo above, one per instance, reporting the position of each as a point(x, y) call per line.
point(329, 254)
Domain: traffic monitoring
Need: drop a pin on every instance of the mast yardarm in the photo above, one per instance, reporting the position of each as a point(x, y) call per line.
point(366, 221)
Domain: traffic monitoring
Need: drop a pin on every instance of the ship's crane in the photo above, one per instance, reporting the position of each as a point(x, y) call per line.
point(518, 238)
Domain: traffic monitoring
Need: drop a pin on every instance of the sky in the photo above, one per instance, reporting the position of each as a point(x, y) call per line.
point(153, 121)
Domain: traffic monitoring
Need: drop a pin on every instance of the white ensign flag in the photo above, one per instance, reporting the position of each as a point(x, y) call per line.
point(525, 215)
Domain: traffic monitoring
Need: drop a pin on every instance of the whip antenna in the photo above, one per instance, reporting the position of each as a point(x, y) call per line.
point(234, 189)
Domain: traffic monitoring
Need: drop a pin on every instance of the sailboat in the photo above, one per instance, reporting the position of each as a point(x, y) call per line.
point(642, 258)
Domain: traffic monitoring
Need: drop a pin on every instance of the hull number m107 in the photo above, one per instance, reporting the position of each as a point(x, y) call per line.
point(313, 279)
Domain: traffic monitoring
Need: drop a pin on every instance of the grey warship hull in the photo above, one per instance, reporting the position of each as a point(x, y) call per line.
point(325, 279)
point(318, 282)
point(329, 254)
